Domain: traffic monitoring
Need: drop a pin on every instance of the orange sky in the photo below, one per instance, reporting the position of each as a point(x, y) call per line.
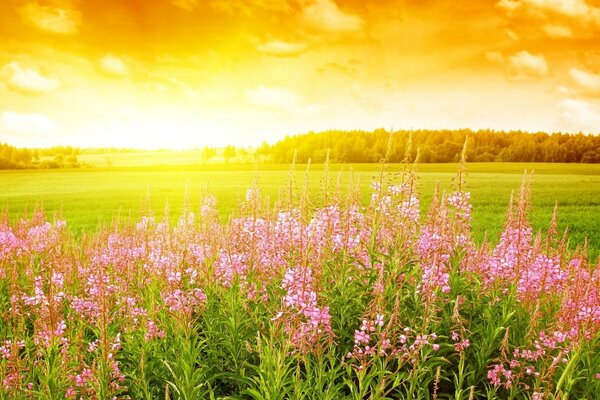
point(182, 73)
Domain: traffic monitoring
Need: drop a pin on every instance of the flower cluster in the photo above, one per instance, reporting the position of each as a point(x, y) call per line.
point(375, 283)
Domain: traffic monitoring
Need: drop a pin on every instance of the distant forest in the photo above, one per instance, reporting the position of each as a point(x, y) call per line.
point(439, 146)
point(433, 146)
point(53, 157)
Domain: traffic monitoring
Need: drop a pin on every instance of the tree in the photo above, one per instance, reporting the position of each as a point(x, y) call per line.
point(207, 154)
point(229, 152)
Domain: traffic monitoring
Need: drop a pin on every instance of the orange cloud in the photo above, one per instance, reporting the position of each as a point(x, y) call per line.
point(325, 15)
point(558, 31)
point(62, 21)
point(558, 19)
point(248, 7)
point(495, 57)
point(574, 8)
point(185, 4)
point(524, 65)
point(521, 65)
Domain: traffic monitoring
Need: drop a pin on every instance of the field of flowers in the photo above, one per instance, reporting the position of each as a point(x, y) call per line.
point(316, 298)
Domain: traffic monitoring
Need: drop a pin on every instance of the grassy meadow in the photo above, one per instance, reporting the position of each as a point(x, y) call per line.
point(89, 197)
point(352, 297)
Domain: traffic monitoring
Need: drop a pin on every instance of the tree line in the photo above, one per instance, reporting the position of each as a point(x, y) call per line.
point(53, 157)
point(434, 146)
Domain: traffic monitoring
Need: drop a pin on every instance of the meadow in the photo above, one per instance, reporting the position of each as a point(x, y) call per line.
point(334, 291)
point(90, 197)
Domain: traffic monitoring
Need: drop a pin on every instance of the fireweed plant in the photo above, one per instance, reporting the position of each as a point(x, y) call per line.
point(315, 298)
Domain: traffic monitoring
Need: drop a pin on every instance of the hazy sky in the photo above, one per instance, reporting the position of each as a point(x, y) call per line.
point(179, 73)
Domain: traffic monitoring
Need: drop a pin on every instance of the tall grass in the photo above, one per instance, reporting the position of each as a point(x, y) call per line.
point(316, 298)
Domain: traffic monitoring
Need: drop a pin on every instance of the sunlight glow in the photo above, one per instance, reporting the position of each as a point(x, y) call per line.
point(187, 73)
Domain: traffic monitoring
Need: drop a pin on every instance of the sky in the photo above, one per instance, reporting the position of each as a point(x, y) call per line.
point(190, 73)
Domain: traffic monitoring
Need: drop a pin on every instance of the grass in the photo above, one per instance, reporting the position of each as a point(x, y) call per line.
point(326, 303)
point(88, 198)
point(141, 158)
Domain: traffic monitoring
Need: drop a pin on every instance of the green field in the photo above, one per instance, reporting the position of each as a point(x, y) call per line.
point(91, 197)
point(142, 158)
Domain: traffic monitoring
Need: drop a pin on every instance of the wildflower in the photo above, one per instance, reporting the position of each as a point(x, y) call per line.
point(361, 337)
point(499, 376)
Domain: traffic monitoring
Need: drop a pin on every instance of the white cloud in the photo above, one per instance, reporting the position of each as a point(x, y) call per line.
point(56, 20)
point(27, 81)
point(524, 65)
point(113, 66)
point(27, 124)
point(325, 15)
point(281, 49)
point(273, 97)
point(587, 80)
point(580, 115)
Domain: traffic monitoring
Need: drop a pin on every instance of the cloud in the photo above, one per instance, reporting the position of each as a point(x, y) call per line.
point(520, 66)
point(572, 8)
point(495, 57)
point(524, 65)
point(27, 81)
point(558, 31)
point(62, 21)
point(249, 7)
point(509, 5)
point(113, 66)
point(345, 69)
point(325, 15)
point(577, 13)
point(512, 35)
point(281, 49)
point(27, 124)
point(371, 104)
point(580, 115)
point(273, 97)
point(586, 80)
point(187, 5)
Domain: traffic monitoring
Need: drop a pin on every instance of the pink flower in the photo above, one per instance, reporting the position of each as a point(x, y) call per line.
point(499, 376)
point(152, 331)
point(361, 337)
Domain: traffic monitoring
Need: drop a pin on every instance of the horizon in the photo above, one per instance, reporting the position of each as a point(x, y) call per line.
point(181, 74)
point(257, 145)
